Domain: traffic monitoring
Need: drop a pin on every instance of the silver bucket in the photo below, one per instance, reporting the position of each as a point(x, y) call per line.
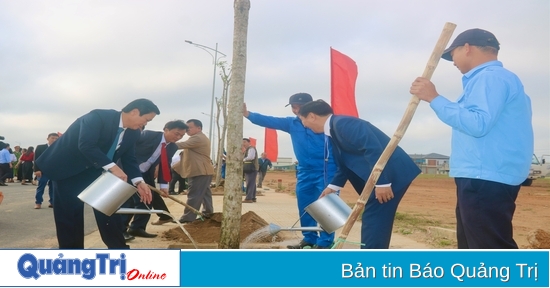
point(330, 212)
point(107, 193)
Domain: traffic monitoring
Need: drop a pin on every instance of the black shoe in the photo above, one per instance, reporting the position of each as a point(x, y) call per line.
point(302, 245)
point(128, 237)
point(141, 233)
point(173, 193)
point(320, 247)
point(184, 221)
point(3, 184)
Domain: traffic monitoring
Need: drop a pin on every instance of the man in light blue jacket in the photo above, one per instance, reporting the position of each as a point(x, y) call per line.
point(492, 140)
point(315, 165)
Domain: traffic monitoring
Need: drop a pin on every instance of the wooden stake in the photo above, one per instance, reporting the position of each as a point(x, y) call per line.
point(444, 38)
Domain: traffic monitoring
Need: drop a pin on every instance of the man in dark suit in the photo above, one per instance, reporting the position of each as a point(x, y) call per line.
point(43, 180)
point(150, 155)
point(357, 146)
point(90, 146)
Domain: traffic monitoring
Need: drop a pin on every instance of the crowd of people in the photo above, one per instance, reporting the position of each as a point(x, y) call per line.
point(22, 168)
point(330, 149)
point(16, 164)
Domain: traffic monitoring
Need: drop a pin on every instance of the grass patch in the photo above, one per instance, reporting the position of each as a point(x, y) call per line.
point(416, 226)
point(527, 209)
point(444, 243)
point(414, 220)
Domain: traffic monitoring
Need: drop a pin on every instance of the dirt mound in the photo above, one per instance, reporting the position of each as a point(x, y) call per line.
point(539, 239)
point(209, 230)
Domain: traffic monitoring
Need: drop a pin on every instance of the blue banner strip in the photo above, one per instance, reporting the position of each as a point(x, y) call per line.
point(364, 268)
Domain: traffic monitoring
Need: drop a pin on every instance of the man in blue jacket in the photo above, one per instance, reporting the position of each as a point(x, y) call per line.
point(357, 146)
point(316, 165)
point(91, 145)
point(492, 140)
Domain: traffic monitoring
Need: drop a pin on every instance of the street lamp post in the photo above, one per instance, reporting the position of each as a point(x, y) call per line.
point(215, 58)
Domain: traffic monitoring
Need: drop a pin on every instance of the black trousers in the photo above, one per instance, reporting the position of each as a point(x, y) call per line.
point(176, 178)
point(68, 213)
point(27, 171)
point(484, 212)
point(4, 171)
point(377, 220)
point(140, 220)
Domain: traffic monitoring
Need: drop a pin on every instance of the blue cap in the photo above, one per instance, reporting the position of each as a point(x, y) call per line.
point(299, 98)
point(475, 37)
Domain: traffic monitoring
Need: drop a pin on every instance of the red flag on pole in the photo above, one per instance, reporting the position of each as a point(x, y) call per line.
point(252, 141)
point(271, 146)
point(343, 74)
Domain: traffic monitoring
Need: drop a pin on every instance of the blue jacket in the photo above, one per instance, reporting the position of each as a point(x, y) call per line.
point(308, 146)
point(357, 146)
point(492, 131)
point(85, 145)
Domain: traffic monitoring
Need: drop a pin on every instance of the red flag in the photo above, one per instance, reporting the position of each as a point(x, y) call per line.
point(252, 141)
point(271, 147)
point(343, 74)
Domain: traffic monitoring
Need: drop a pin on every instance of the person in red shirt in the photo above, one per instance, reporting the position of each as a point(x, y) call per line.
point(26, 163)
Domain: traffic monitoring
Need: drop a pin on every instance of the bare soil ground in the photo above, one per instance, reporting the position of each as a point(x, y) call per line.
point(208, 231)
point(430, 202)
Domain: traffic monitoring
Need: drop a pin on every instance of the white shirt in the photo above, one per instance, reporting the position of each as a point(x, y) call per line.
point(250, 155)
point(143, 167)
point(110, 165)
point(176, 159)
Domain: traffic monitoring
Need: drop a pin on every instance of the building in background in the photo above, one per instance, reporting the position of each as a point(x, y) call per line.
point(432, 163)
point(284, 164)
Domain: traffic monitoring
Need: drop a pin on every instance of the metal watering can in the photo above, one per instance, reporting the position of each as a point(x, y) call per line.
point(107, 193)
point(331, 212)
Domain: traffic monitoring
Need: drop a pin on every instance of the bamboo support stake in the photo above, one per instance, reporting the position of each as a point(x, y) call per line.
point(444, 38)
point(177, 200)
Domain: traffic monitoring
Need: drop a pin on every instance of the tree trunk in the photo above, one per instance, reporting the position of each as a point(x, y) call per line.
point(232, 200)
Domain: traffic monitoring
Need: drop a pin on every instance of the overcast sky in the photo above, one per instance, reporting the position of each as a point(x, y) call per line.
point(61, 59)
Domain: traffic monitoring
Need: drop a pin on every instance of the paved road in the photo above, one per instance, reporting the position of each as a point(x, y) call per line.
point(22, 226)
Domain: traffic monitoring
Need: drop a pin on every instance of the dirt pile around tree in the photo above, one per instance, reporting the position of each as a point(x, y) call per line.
point(539, 239)
point(209, 230)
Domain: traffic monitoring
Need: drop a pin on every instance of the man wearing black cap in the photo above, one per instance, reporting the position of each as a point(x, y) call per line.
point(316, 165)
point(492, 140)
